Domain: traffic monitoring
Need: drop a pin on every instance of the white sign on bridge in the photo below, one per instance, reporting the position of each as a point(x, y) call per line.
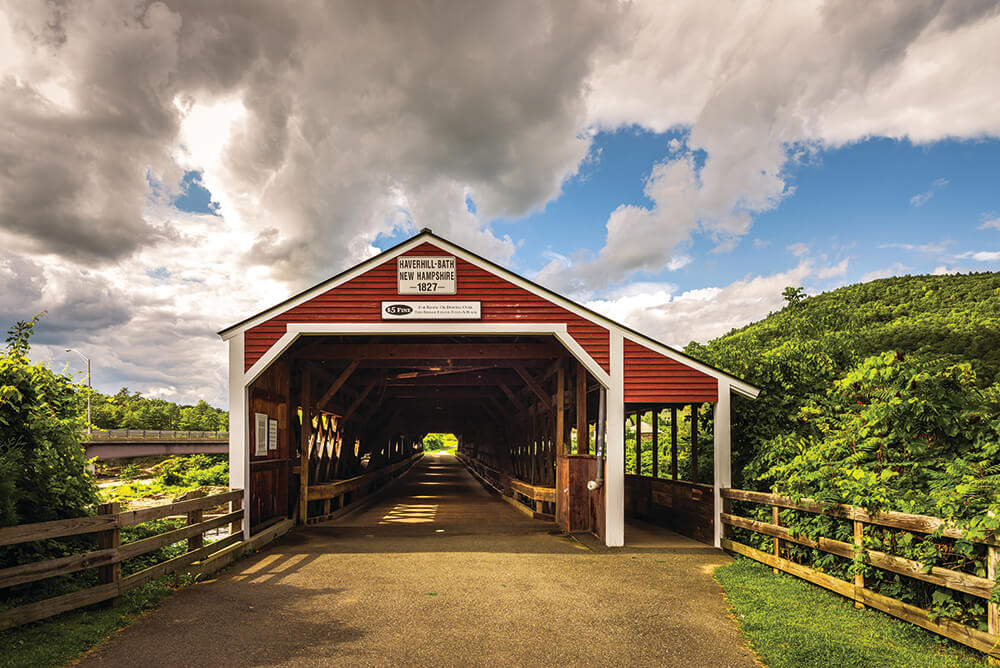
point(423, 275)
point(427, 310)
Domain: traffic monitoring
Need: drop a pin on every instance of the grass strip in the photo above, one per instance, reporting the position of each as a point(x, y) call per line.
point(60, 639)
point(791, 623)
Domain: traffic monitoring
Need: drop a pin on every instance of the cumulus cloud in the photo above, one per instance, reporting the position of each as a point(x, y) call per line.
point(702, 314)
point(990, 223)
point(762, 91)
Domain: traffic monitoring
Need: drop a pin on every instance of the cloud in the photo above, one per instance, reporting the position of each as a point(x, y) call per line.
point(931, 248)
point(763, 92)
point(920, 199)
point(761, 243)
point(702, 314)
point(990, 223)
point(838, 270)
point(895, 269)
point(980, 256)
point(798, 249)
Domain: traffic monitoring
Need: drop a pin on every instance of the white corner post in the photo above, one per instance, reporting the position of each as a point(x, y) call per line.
point(239, 446)
point(614, 470)
point(722, 434)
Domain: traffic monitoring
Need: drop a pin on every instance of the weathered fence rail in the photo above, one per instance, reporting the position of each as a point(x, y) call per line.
point(988, 641)
point(107, 525)
point(512, 489)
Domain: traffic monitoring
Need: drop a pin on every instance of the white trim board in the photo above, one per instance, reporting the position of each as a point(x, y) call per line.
point(298, 329)
point(738, 385)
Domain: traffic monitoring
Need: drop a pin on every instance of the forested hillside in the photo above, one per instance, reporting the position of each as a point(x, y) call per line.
point(876, 391)
point(131, 410)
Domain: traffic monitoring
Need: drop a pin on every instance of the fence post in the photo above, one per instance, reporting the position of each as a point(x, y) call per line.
point(237, 525)
point(993, 610)
point(195, 517)
point(776, 520)
point(110, 539)
point(859, 578)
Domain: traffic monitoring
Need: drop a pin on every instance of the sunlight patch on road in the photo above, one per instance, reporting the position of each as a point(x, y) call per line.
point(411, 513)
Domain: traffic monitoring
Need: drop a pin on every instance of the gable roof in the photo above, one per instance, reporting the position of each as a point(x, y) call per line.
point(738, 385)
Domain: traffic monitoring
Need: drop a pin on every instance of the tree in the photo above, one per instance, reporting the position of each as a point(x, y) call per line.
point(42, 474)
point(793, 295)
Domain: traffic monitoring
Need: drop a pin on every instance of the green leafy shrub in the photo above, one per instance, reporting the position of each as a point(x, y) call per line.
point(42, 465)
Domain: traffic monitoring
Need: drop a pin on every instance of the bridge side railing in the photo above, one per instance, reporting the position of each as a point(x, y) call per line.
point(156, 435)
point(200, 556)
point(899, 524)
point(535, 497)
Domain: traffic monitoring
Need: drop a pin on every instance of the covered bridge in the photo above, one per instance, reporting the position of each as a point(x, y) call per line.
point(346, 378)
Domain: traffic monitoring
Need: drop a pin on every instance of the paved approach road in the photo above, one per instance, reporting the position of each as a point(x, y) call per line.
point(440, 572)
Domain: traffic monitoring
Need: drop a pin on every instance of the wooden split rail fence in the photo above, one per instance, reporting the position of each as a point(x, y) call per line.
point(511, 488)
point(202, 557)
point(988, 641)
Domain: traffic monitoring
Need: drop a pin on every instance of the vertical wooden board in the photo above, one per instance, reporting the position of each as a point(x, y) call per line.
point(673, 443)
point(656, 443)
point(582, 429)
point(110, 540)
point(694, 443)
point(562, 492)
point(992, 568)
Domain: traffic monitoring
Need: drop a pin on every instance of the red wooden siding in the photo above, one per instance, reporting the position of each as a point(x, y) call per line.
point(358, 300)
point(651, 377)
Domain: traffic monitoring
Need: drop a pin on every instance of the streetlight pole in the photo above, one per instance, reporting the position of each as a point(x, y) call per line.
point(89, 388)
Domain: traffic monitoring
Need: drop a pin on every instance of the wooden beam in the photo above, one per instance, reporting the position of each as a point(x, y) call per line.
point(656, 443)
point(673, 443)
point(534, 386)
point(306, 433)
point(694, 443)
point(410, 375)
point(337, 384)
point(430, 351)
point(361, 397)
point(560, 445)
point(429, 393)
point(582, 430)
point(513, 398)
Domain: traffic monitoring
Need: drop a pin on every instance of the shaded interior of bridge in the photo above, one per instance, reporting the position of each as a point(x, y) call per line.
point(358, 404)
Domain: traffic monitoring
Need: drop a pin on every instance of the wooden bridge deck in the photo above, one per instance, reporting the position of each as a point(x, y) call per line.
point(440, 572)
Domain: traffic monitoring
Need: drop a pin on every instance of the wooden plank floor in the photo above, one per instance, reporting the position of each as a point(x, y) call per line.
point(439, 572)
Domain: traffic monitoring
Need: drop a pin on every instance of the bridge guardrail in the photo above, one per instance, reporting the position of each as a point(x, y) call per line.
point(156, 435)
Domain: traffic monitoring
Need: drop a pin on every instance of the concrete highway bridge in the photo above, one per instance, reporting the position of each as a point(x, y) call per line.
point(126, 443)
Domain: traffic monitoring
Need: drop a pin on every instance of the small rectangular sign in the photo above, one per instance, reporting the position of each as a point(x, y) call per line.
point(424, 275)
point(428, 310)
point(260, 434)
point(272, 434)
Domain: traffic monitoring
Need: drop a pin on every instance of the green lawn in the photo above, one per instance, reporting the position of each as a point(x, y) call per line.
point(789, 622)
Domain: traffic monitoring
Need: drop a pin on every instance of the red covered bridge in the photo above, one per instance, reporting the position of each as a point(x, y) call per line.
point(333, 390)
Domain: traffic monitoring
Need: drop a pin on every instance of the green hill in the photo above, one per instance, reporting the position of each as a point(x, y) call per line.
point(941, 332)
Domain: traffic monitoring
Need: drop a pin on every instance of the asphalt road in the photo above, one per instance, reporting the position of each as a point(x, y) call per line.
point(441, 573)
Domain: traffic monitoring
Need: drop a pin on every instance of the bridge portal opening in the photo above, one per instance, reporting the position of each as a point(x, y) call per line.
point(519, 411)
